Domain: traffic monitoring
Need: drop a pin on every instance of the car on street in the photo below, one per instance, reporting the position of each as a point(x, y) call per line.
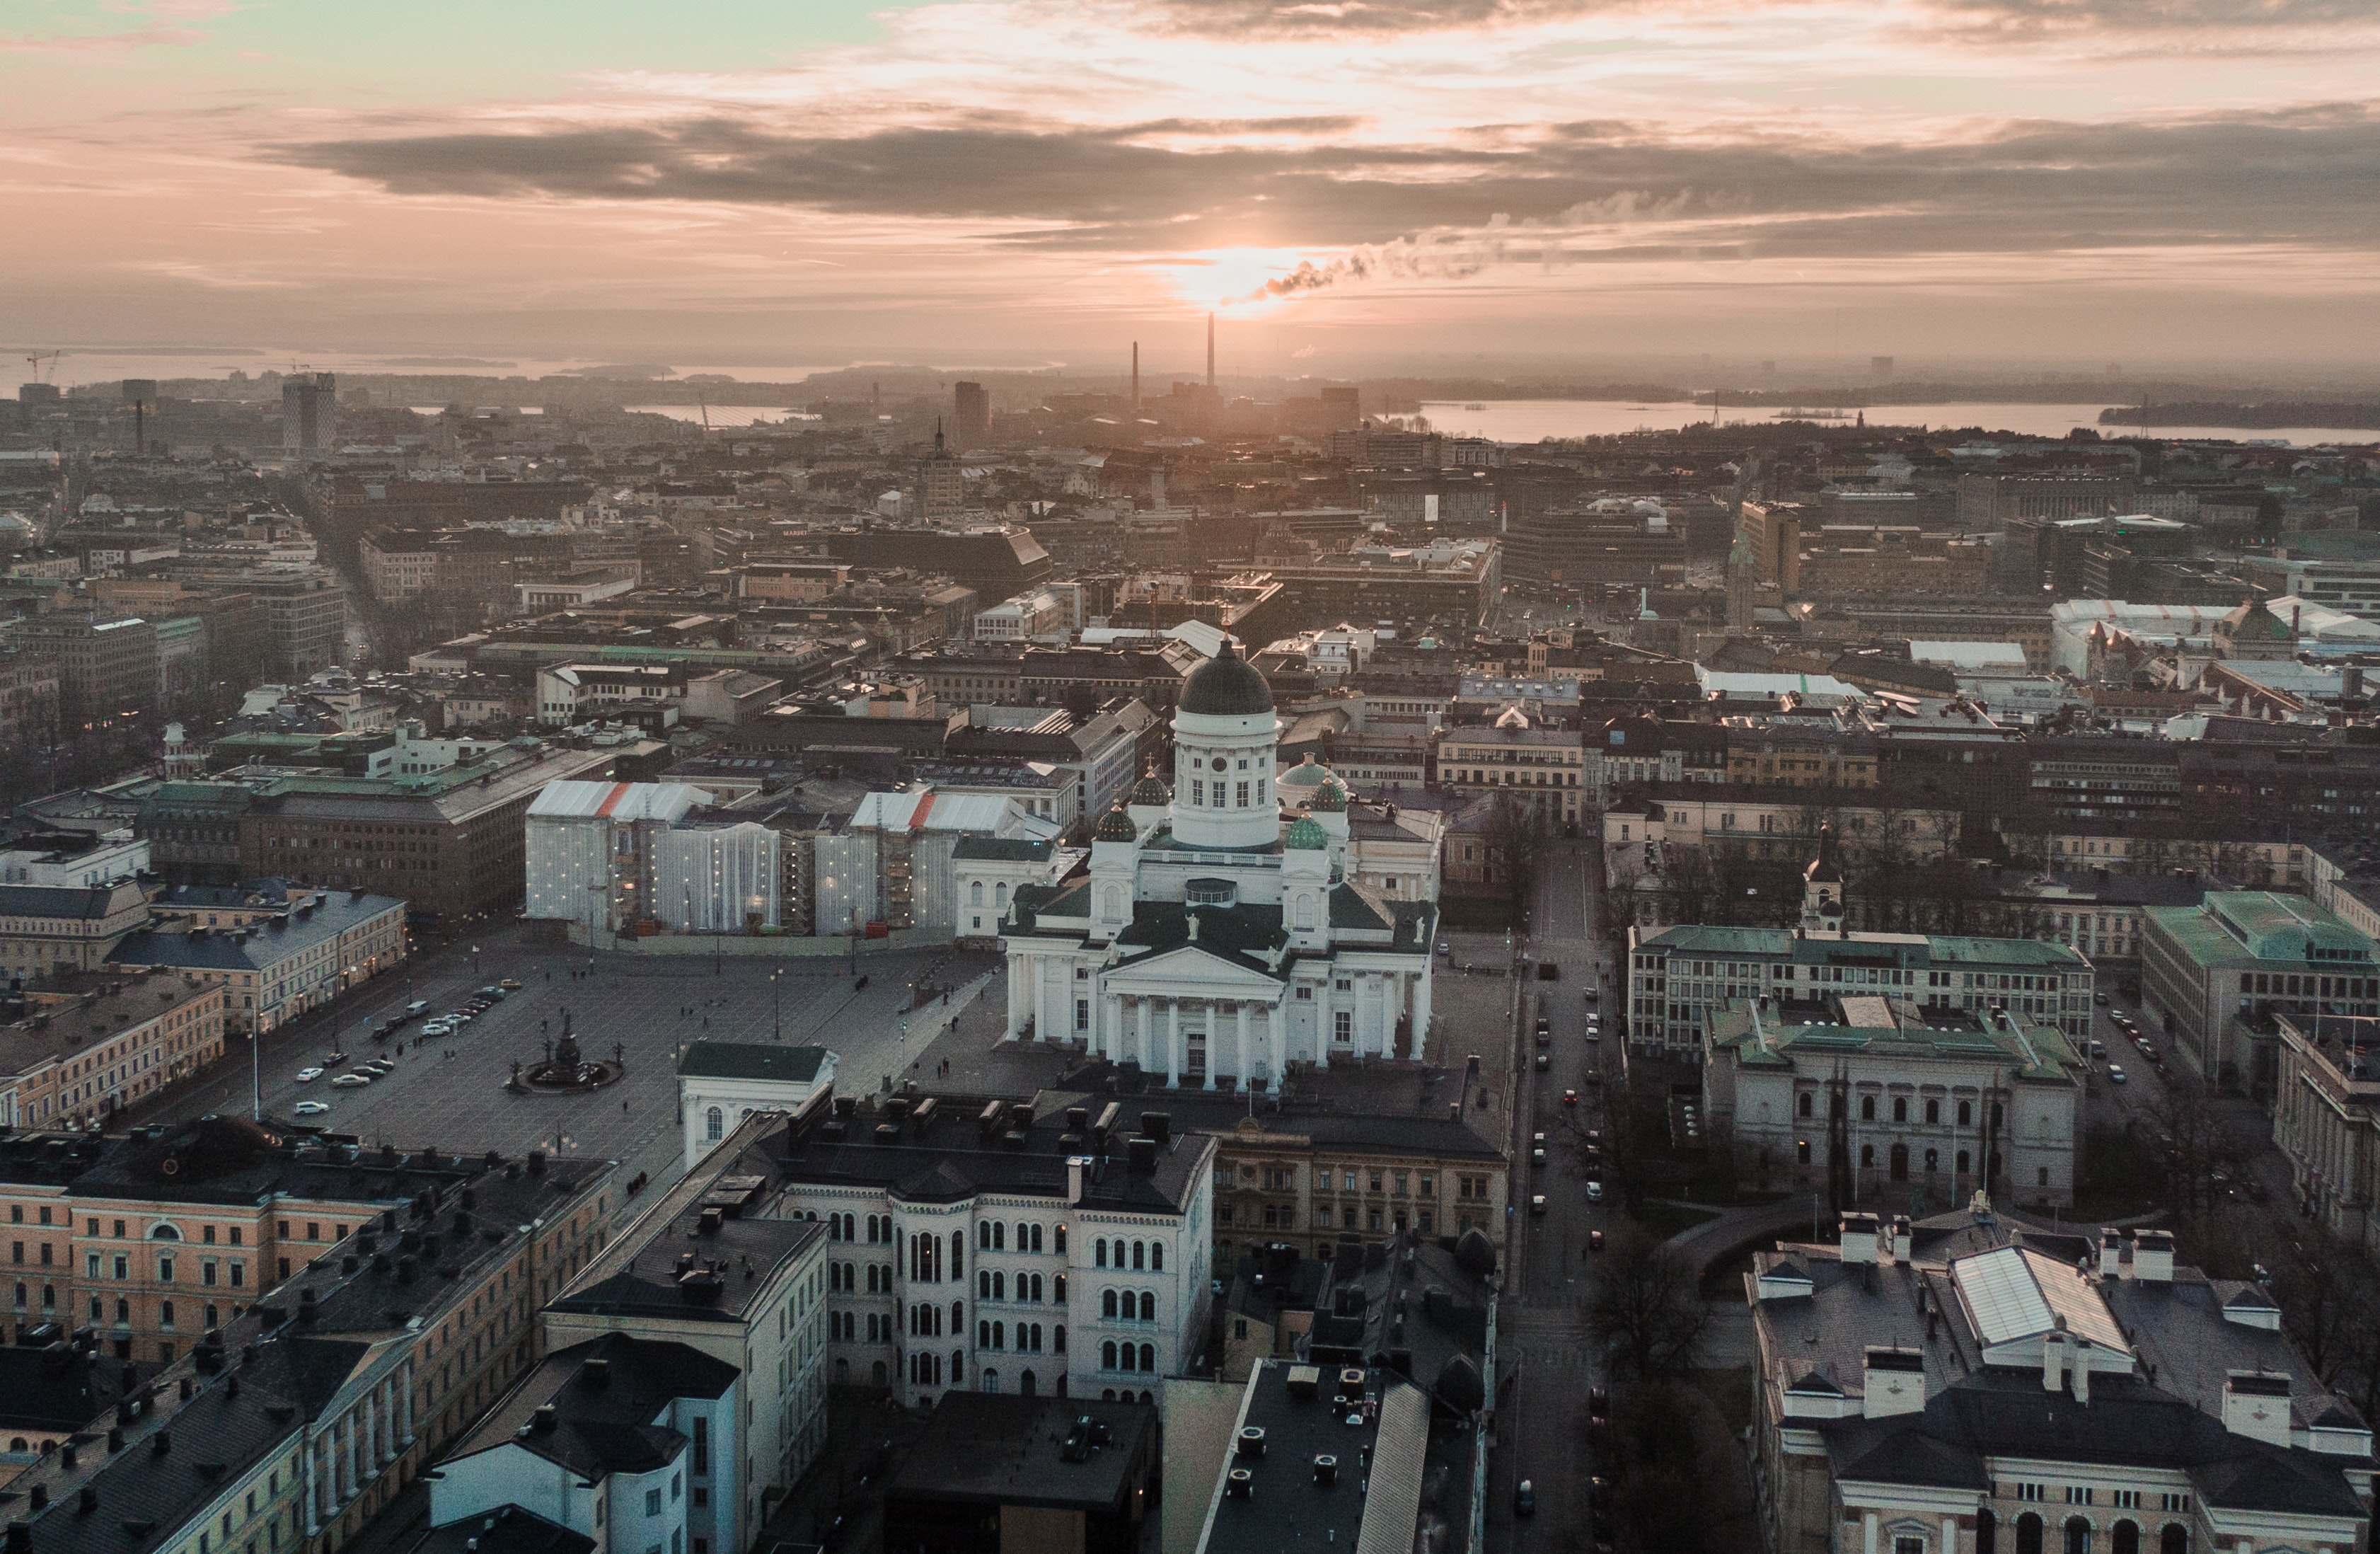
point(1524, 1499)
point(418, 1008)
point(2116, 1073)
point(436, 1027)
point(510, 984)
point(1594, 1080)
point(1592, 995)
point(2101, 1000)
point(311, 1108)
point(308, 1075)
point(1544, 1062)
point(1536, 1203)
point(1569, 1098)
point(377, 1067)
point(1545, 1034)
point(488, 994)
point(352, 1081)
point(1598, 1406)
point(462, 1016)
point(1594, 1241)
point(1595, 1192)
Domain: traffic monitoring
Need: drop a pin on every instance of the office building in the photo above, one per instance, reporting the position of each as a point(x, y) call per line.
point(310, 413)
point(2216, 974)
point(277, 965)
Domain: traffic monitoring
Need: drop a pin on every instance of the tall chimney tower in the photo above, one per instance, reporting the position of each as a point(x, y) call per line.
point(1211, 350)
point(1136, 375)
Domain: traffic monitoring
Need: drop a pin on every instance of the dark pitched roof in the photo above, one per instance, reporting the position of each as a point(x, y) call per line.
point(505, 1530)
point(1243, 934)
point(752, 1060)
point(604, 1395)
point(55, 901)
point(1004, 849)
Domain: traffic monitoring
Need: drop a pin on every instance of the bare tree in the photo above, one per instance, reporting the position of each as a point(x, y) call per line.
point(1517, 834)
point(1646, 1309)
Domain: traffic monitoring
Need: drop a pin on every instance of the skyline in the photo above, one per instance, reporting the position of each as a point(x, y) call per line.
point(1354, 186)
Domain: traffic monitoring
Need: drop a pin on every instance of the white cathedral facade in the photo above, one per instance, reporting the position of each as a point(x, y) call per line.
point(1218, 938)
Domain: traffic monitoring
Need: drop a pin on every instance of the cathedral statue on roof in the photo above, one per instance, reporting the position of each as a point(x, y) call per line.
point(1215, 937)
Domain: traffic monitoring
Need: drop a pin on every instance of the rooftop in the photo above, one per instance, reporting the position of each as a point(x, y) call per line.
point(591, 1407)
point(1000, 1448)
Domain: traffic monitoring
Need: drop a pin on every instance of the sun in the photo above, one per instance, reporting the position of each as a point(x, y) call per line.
point(1216, 279)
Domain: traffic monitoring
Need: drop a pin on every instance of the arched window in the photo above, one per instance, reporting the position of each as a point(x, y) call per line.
point(2175, 1539)
point(1026, 1385)
point(1060, 1247)
point(1108, 1303)
point(1966, 1113)
point(1148, 1307)
point(983, 1334)
point(958, 1317)
point(1000, 894)
point(1148, 1356)
point(2028, 1534)
point(983, 1236)
point(958, 1367)
point(715, 1124)
point(2125, 1538)
point(958, 1250)
point(999, 1236)
point(975, 892)
point(1867, 1157)
point(1933, 1161)
point(1059, 1284)
point(1901, 1108)
point(1987, 1532)
point(1868, 1109)
point(1036, 1237)
point(982, 1285)
point(1099, 1252)
point(1933, 1111)
point(1156, 1257)
point(1138, 1249)
point(999, 1285)
point(1804, 1101)
point(165, 1232)
point(1963, 1159)
point(1108, 1355)
point(2078, 1535)
point(1000, 1335)
point(1900, 1159)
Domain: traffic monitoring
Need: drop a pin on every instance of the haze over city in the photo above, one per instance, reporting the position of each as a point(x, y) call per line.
point(1993, 185)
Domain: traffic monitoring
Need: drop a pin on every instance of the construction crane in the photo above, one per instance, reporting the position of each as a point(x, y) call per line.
point(34, 361)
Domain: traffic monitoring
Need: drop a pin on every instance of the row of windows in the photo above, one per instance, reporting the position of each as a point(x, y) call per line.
point(1806, 1103)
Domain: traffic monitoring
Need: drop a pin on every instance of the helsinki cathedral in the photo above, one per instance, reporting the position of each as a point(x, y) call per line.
point(1217, 936)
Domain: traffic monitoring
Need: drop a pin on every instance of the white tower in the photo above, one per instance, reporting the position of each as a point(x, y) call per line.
point(1224, 738)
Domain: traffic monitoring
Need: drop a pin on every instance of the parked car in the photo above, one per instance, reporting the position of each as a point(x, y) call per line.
point(2101, 1000)
point(1537, 1203)
point(1594, 1241)
point(352, 1081)
point(418, 1008)
point(308, 1075)
point(1524, 1499)
point(1595, 1192)
point(510, 984)
point(311, 1108)
point(1592, 995)
point(2116, 1073)
point(1545, 1062)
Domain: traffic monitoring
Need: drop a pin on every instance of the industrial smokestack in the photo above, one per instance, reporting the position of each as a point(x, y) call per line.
point(1136, 375)
point(1211, 350)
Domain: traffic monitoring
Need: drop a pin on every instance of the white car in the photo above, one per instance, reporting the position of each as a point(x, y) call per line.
point(312, 1108)
point(437, 1027)
point(2116, 1073)
point(1595, 1192)
point(308, 1075)
point(352, 1081)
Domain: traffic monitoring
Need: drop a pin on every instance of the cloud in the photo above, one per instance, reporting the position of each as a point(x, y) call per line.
point(1345, 18)
point(151, 34)
point(2304, 177)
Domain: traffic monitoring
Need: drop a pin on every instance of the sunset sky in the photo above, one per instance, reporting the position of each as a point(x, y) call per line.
point(1435, 184)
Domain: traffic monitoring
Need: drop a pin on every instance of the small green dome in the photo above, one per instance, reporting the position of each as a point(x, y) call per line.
point(1305, 835)
point(1115, 825)
point(1151, 789)
point(1330, 798)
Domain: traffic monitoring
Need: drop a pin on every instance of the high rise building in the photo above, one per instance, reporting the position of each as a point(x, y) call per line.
point(310, 413)
point(974, 415)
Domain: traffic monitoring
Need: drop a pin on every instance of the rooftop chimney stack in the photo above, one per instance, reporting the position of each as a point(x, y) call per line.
point(1857, 1241)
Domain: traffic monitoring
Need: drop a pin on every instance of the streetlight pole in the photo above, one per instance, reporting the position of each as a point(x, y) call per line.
point(777, 1001)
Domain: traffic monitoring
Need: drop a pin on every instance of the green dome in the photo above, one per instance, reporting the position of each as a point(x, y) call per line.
point(1115, 825)
point(1226, 685)
point(1151, 789)
point(1330, 798)
point(1305, 835)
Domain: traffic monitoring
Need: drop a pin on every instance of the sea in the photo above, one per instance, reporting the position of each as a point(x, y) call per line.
point(1534, 421)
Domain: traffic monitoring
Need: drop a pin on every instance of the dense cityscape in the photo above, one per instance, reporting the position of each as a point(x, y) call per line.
point(1823, 960)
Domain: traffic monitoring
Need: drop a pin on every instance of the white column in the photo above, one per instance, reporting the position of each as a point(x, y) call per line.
point(1420, 1014)
point(1240, 1047)
point(1140, 1053)
point(1214, 1041)
point(1277, 1062)
point(1868, 1531)
point(1950, 1534)
point(1172, 1042)
point(1111, 1026)
point(1018, 967)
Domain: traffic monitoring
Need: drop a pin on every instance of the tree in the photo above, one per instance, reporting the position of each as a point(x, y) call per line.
point(1517, 836)
point(1647, 1310)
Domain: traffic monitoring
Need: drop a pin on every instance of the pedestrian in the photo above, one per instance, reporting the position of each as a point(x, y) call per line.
point(624, 1106)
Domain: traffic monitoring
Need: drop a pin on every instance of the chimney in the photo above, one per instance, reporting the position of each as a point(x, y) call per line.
point(2153, 1256)
point(1141, 1157)
point(2112, 1249)
point(1858, 1239)
point(1075, 1167)
point(2256, 1404)
point(1903, 1240)
point(2053, 1359)
point(1893, 1381)
point(2081, 1372)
